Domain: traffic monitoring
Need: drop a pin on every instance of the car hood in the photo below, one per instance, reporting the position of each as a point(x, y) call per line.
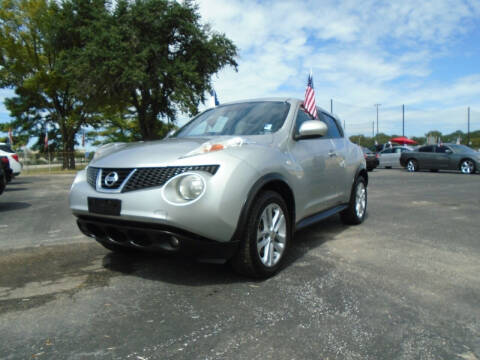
point(159, 153)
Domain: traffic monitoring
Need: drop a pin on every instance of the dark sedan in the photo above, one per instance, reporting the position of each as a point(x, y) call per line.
point(442, 157)
point(370, 158)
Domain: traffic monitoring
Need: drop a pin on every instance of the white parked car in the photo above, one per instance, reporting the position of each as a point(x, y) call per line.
point(390, 157)
point(15, 165)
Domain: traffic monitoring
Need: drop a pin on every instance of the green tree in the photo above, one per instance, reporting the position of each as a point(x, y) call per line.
point(155, 57)
point(37, 38)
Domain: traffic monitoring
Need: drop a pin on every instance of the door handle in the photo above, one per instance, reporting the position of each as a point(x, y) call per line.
point(332, 153)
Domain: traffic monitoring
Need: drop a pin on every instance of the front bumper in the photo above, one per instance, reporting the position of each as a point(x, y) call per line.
point(214, 216)
point(154, 237)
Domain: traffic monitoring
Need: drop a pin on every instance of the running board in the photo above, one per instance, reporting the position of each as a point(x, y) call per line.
point(319, 217)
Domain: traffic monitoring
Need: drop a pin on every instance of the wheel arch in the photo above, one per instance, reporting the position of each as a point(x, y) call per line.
point(275, 182)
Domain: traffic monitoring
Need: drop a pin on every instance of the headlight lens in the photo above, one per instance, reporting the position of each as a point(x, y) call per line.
point(190, 187)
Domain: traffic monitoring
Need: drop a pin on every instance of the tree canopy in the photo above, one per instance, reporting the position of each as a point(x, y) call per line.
point(90, 62)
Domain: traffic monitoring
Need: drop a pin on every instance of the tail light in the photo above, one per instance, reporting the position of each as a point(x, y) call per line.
point(377, 155)
point(15, 156)
point(5, 160)
point(365, 156)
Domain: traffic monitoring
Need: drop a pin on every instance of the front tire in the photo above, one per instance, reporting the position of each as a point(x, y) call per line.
point(467, 166)
point(266, 237)
point(355, 213)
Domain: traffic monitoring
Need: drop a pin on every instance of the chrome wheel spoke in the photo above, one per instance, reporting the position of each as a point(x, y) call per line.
point(279, 223)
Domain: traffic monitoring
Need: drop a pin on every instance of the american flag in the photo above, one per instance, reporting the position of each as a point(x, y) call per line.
point(10, 137)
point(46, 139)
point(309, 102)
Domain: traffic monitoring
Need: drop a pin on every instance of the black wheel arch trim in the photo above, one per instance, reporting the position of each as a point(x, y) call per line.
point(261, 183)
point(363, 172)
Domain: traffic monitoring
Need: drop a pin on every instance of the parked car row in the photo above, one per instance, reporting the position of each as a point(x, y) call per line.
point(428, 157)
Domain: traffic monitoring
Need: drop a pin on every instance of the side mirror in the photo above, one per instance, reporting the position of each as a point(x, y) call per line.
point(312, 128)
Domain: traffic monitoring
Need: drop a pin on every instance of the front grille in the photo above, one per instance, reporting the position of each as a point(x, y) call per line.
point(151, 177)
point(92, 176)
point(143, 178)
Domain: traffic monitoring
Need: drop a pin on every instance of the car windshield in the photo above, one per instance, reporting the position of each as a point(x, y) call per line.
point(252, 118)
point(463, 149)
point(6, 148)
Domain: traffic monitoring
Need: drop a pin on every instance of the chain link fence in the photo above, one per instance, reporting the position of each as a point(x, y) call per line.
point(33, 163)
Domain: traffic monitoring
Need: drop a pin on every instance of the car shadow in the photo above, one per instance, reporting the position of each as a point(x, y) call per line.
point(170, 268)
point(182, 270)
point(9, 188)
point(8, 206)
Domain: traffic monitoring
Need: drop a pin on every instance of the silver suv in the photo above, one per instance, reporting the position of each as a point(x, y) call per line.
point(234, 183)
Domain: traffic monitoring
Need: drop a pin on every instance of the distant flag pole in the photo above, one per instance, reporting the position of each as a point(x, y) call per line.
point(213, 99)
point(10, 137)
point(83, 139)
point(309, 102)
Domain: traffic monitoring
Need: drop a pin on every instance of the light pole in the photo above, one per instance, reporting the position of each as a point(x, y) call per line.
point(377, 105)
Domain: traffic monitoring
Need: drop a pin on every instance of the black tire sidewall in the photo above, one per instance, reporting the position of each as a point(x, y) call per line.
point(265, 199)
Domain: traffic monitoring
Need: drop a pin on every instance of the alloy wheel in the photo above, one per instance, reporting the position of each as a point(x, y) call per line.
point(360, 200)
point(271, 235)
point(467, 166)
point(411, 166)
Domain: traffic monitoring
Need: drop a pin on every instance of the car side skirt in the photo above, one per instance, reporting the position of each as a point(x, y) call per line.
point(308, 221)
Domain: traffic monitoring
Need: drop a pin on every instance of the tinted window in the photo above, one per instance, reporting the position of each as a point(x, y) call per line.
point(333, 130)
point(442, 149)
point(6, 148)
point(255, 118)
point(302, 116)
point(426, 149)
point(386, 151)
point(397, 150)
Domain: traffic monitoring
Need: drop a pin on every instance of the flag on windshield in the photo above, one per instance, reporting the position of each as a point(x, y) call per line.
point(309, 102)
point(214, 100)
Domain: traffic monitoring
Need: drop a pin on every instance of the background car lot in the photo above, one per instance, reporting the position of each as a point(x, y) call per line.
point(403, 285)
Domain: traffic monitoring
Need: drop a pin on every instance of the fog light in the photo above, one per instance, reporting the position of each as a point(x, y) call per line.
point(191, 186)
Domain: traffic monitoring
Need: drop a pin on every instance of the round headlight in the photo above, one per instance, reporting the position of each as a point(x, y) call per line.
point(190, 187)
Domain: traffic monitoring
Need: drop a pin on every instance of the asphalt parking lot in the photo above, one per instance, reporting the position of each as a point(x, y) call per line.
point(403, 285)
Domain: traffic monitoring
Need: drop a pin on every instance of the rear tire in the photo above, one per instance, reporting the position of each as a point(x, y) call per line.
point(266, 238)
point(412, 165)
point(355, 213)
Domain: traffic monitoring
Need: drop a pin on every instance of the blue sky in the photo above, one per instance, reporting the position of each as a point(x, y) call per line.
point(424, 54)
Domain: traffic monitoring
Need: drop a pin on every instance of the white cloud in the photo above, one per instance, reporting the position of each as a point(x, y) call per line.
point(360, 53)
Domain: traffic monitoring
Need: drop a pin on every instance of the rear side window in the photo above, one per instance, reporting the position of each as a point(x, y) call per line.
point(387, 151)
point(333, 129)
point(442, 149)
point(6, 148)
point(426, 149)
